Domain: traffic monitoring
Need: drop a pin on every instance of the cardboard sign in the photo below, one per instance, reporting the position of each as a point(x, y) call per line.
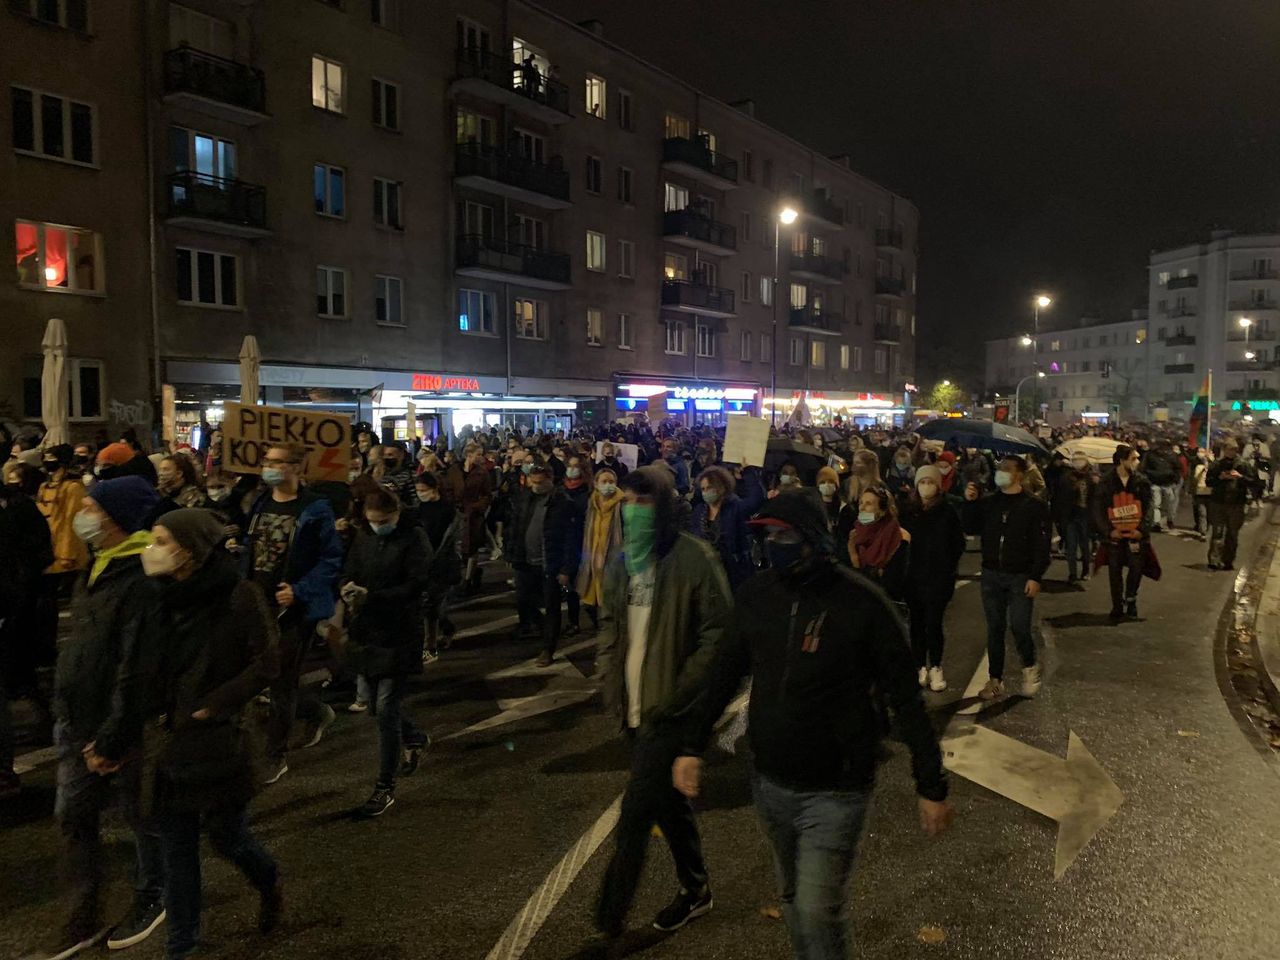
point(249, 431)
point(1001, 413)
point(745, 441)
point(413, 429)
point(627, 453)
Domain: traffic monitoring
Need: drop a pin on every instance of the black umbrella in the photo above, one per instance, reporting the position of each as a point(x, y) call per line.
point(808, 460)
point(983, 434)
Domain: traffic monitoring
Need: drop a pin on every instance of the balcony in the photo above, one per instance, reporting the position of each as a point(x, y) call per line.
point(491, 258)
point(889, 286)
point(1180, 340)
point(1253, 306)
point(1254, 335)
point(493, 77)
point(816, 207)
point(486, 168)
point(1182, 283)
point(819, 322)
point(217, 205)
point(698, 162)
point(888, 239)
point(1255, 275)
point(1254, 393)
point(689, 297)
point(817, 268)
point(686, 228)
point(886, 333)
point(1179, 368)
point(1181, 312)
point(1249, 366)
point(215, 86)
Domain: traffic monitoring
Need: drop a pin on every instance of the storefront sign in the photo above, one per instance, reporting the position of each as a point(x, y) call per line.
point(249, 431)
point(445, 382)
point(677, 392)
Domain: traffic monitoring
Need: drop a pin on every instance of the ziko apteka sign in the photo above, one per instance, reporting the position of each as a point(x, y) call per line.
point(249, 431)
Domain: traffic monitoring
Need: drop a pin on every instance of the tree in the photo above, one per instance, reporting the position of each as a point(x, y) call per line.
point(945, 395)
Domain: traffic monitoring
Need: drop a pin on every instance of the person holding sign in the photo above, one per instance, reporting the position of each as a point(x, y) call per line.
point(293, 552)
point(1123, 517)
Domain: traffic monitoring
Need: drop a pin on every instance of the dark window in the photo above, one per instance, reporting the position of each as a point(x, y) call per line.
point(31, 399)
point(228, 269)
point(90, 391)
point(766, 174)
point(51, 125)
point(392, 118)
point(78, 15)
point(184, 275)
point(81, 133)
point(24, 120)
point(206, 278)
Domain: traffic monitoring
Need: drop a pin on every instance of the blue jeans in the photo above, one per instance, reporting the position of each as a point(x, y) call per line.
point(815, 842)
point(1006, 605)
point(228, 829)
point(394, 727)
point(82, 798)
point(1075, 534)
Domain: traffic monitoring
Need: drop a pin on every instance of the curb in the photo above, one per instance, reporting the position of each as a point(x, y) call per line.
point(1267, 625)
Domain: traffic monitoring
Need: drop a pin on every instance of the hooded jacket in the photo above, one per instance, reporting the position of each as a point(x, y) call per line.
point(386, 629)
point(315, 553)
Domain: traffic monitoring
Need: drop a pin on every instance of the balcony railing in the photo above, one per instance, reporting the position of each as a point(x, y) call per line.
point(818, 265)
point(187, 70)
point(475, 159)
point(694, 296)
point(818, 204)
point(1245, 366)
point(1181, 312)
point(696, 154)
point(1254, 393)
point(204, 197)
point(474, 63)
point(477, 252)
point(1238, 335)
point(1247, 305)
point(889, 239)
point(1180, 283)
point(886, 332)
point(1255, 274)
point(889, 286)
point(686, 223)
point(815, 321)
point(1181, 340)
point(1179, 368)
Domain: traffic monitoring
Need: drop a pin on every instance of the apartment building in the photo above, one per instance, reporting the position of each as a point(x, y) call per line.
point(492, 211)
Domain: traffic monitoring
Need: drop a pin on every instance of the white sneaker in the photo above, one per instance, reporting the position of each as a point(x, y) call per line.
point(276, 772)
point(1032, 680)
point(937, 682)
point(357, 706)
point(923, 677)
point(324, 723)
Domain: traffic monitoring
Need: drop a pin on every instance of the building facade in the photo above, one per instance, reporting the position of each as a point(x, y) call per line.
point(491, 211)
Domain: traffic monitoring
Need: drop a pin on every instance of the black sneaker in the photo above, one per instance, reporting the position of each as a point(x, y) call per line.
point(270, 907)
point(1117, 613)
point(144, 921)
point(412, 757)
point(682, 909)
point(1131, 608)
point(379, 802)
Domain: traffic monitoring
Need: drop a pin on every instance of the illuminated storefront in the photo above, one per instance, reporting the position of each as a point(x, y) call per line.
point(862, 409)
point(693, 401)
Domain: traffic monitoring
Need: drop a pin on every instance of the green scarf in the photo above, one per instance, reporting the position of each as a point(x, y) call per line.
point(130, 546)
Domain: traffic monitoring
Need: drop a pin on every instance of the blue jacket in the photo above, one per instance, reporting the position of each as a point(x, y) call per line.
point(315, 553)
point(734, 545)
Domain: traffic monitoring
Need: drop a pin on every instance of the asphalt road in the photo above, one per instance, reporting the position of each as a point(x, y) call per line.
point(490, 848)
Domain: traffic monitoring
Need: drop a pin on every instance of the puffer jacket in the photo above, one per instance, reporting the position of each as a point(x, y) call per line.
point(386, 629)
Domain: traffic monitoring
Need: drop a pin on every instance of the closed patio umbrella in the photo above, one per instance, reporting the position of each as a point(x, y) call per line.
point(53, 383)
point(250, 362)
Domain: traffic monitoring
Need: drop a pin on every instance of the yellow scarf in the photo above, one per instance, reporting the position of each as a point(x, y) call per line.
point(596, 544)
point(130, 546)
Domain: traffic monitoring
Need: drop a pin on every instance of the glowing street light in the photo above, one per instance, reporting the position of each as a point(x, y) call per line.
point(1026, 340)
point(1040, 374)
point(1246, 322)
point(1042, 301)
point(1250, 355)
point(788, 215)
point(946, 383)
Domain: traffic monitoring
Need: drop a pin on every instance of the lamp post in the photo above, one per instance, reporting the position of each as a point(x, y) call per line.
point(1040, 302)
point(787, 215)
point(1017, 391)
point(1245, 324)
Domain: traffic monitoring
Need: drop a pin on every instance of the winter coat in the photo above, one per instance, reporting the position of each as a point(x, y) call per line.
point(1109, 495)
point(315, 554)
point(444, 568)
point(220, 648)
point(60, 502)
point(1228, 490)
point(1064, 501)
point(937, 543)
point(26, 548)
point(1162, 468)
point(561, 532)
point(1015, 532)
point(386, 627)
point(470, 491)
point(733, 539)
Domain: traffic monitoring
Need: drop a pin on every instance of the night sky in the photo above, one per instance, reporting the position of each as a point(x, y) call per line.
point(1048, 145)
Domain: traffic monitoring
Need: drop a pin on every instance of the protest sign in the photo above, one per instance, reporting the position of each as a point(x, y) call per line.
point(627, 453)
point(745, 441)
point(249, 431)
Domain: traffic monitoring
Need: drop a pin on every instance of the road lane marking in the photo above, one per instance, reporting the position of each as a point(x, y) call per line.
point(526, 924)
point(36, 758)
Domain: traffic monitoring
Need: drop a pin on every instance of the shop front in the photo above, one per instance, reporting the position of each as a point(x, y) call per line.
point(709, 402)
point(825, 408)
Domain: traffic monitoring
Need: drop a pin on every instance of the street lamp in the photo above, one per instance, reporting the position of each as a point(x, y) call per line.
point(1026, 340)
point(1039, 303)
point(946, 383)
point(785, 216)
point(1245, 324)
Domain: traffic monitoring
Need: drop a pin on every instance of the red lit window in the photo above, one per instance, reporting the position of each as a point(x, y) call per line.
point(58, 258)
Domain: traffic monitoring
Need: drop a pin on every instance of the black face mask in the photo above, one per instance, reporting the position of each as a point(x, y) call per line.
point(51, 466)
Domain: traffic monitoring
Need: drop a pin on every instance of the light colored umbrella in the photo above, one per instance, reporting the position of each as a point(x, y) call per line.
point(250, 362)
point(53, 383)
point(1097, 449)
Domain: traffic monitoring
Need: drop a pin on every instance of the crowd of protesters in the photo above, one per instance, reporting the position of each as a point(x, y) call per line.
point(197, 591)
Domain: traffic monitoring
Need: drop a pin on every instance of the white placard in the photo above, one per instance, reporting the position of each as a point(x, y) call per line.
point(628, 453)
point(745, 441)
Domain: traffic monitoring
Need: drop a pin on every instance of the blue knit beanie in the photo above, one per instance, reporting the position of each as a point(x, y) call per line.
point(129, 501)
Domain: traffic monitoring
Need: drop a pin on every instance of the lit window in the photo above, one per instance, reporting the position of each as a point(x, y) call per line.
point(475, 311)
point(52, 257)
point(53, 126)
point(327, 79)
point(624, 331)
point(799, 296)
point(626, 258)
point(674, 197)
point(844, 356)
point(818, 353)
point(675, 337)
point(208, 279)
point(72, 14)
point(530, 319)
point(212, 157)
point(386, 203)
point(387, 301)
point(595, 251)
point(330, 189)
point(706, 340)
point(386, 104)
point(797, 351)
point(596, 96)
point(474, 127)
point(674, 126)
point(675, 266)
point(766, 291)
point(331, 292)
point(1140, 336)
point(595, 327)
point(1163, 278)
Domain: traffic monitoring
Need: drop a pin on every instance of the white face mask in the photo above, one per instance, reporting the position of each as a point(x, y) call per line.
point(827, 489)
point(944, 468)
point(218, 494)
point(927, 491)
point(159, 561)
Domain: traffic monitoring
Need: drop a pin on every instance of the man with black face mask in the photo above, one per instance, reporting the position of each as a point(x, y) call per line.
point(816, 639)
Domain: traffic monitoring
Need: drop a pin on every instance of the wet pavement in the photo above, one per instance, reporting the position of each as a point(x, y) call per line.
point(496, 848)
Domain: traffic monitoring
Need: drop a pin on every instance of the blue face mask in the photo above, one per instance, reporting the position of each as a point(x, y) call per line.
point(865, 517)
point(711, 495)
point(383, 529)
point(573, 473)
point(272, 476)
point(526, 468)
point(783, 556)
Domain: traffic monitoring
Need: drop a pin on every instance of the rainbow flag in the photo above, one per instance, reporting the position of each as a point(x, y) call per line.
point(1198, 433)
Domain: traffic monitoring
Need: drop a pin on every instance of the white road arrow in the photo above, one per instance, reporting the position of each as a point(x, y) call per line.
point(1076, 792)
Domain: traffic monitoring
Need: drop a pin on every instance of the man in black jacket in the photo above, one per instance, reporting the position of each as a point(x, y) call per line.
point(1015, 555)
point(101, 693)
point(1123, 517)
point(816, 639)
point(1229, 479)
point(1163, 475)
